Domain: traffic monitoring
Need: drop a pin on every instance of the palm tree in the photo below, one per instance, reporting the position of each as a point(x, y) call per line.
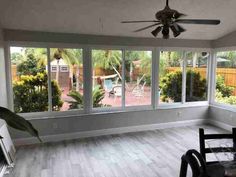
point(73, 57)
point(107, 59)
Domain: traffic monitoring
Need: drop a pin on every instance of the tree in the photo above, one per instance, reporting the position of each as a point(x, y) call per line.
point(108, 59)
point(73, 57)
point(30, 66)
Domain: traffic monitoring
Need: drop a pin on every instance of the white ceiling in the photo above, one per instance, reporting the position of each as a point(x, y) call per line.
point(103, 17)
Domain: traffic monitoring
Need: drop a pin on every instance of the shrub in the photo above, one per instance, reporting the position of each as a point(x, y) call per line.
point(225, 90)
point(227, 100)
point(78, 102)
point(171, 86)
point(31, 93)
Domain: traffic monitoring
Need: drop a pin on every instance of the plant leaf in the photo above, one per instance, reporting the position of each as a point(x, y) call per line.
point(15, 121)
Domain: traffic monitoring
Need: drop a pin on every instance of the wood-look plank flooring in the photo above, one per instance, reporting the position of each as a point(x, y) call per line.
point(141, 154)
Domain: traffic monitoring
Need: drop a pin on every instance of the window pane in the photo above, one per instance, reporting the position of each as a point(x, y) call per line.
point(67, 79)
point(107, 86)
point(226, 77)
point(29, 79)
point(138, 66)
point(196, 76)
point(170, 73)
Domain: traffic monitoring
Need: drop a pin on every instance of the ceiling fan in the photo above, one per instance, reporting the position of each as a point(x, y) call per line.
point(169, 19)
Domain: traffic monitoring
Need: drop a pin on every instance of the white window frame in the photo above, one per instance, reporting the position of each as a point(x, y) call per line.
point(183, 103)
point(213, 77)
point(47, 46)
point(87, 63)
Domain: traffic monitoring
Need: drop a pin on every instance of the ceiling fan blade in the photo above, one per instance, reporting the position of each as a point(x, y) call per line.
point(140, 21)
point(141, 29)
point(198, 21)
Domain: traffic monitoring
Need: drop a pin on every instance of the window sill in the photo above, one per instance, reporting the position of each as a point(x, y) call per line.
point(80, 113)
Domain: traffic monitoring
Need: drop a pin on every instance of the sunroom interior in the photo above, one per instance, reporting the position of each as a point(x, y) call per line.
point(109, 102)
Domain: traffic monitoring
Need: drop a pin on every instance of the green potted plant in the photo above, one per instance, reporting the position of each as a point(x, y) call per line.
point(18, 122)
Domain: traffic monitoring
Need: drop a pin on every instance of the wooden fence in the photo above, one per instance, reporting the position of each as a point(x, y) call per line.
point(229, 75)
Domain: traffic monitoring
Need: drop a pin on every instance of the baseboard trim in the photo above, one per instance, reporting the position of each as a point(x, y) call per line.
point(110, 131)
point(220, 124)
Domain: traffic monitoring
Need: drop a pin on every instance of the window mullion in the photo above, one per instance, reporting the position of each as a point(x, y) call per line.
point(155, 77)
point(212, 77)
point(184, 78)
point(87, 78)
point(123, 79)
point(49, 80)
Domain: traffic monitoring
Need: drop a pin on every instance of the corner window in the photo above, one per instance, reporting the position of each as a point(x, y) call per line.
point(226, 77)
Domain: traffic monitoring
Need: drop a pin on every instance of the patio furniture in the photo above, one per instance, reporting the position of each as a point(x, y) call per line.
point(116, 91)
point(108, 85)
point(138, 91)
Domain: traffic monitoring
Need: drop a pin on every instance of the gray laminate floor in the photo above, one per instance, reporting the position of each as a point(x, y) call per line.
point(141, 154)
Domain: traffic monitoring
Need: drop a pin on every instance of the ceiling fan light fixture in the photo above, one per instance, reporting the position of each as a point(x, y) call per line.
point(156, 31)
point(175, 31)
point(166, 32)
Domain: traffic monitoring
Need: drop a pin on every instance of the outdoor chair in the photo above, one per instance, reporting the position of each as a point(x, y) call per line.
point(108, 85)
point(138, 91)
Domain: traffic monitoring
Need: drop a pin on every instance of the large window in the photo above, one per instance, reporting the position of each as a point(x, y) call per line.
point(119, 78)
point(107, 78)
point(29, 79)
point(138, 66)
point(226, 77)
point(196, 76)
point(67, 79)
point(170, 76)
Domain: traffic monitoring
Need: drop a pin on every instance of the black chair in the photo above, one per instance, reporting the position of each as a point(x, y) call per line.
point(199, 168)
point(204, 150)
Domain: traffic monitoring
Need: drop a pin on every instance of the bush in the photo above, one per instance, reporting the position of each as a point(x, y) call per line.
point(31, 94)
point(227, 100)
point(225, 90)
point(171, 86)
point(78, 101)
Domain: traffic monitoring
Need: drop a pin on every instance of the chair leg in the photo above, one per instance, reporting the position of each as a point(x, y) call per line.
point(183, 167)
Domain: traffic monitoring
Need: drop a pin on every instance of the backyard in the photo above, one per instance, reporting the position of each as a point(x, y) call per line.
point(31, 88)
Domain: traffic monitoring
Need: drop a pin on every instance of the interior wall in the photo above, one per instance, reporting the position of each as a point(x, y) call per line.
point(33, 36)
point(222, 115)
point(64, 125)
point(3, 89)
